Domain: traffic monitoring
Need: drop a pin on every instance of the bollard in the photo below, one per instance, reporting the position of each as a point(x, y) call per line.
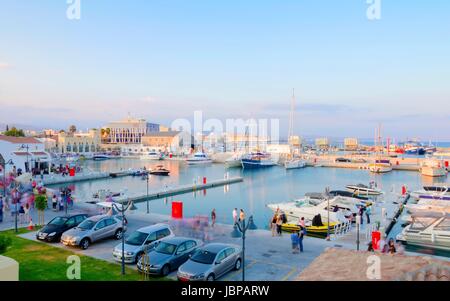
point(204, 180)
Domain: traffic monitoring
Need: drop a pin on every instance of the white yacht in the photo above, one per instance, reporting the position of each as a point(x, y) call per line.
point(198, 158)
point(433, 168)
point(434, 193)
point(427, 229)
point(361, 189)
point(152, 155)
point(234, 161)
point(295, 164)
point(308, 207)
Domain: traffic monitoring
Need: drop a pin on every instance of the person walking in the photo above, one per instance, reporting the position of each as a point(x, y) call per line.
point(1, 209)
point(279, 223)
point(27, 208)
point(235, 216)
point(241, 215)
point(368, 213)
point(273, 224)
point(54, 202)
point(21, 214)
point(295, 243)
point(301, 234)
point(61, 204)
point(361, 214)
point(213, 217)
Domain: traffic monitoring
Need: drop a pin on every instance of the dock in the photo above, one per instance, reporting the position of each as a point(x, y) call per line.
point(171, 191)
point(54, 179)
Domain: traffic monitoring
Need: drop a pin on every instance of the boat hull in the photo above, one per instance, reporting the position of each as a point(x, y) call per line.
point(256, 164)
point(295, 164)
point(433, 171)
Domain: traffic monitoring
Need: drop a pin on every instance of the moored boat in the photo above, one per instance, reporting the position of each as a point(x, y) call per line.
point(380, 166)
point(433, 168)
point(198, 159)
point(160, 171)
point(295, 164)
point(257, 160)
point(361, 189)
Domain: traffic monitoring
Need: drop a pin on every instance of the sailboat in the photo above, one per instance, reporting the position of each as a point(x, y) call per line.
point(293, 163)
point(380, 165)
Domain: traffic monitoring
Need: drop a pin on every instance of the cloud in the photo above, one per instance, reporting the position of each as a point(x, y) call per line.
point(4, 65)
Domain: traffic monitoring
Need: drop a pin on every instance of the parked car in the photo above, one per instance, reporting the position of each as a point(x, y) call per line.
point(211, 262)
point(168, 255)
point(342, 160)
point(93, 229)
point(56, 227)
point(140, 240)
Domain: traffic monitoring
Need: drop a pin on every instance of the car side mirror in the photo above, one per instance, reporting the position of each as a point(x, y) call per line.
point(218, 262)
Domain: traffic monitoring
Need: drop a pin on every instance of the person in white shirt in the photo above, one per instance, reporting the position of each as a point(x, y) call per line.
point(235, 215)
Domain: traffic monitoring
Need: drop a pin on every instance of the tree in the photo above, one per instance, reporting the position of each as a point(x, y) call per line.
point(72, 129)
point(5, 242)
point(14, 132)
point(40, 203)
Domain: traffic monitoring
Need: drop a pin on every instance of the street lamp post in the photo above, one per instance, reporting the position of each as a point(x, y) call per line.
point(122, 211)
point(241, 227)
point(358, 222)
point(147, 177)
point(327, 193)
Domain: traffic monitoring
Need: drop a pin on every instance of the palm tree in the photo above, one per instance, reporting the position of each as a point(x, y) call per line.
point(72, 129)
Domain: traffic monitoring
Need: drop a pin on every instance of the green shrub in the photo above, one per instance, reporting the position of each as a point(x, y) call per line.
point(40, 202)
point(5, 242)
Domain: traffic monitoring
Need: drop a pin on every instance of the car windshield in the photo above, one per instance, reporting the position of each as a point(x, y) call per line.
point(203, 256)
point(165, 248)
point(58, 221)
point(87, 225)
point(136, 238)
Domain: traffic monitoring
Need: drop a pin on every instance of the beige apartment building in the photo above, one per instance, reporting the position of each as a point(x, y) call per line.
point(79, 142)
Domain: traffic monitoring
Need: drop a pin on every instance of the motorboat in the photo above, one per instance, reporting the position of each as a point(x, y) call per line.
point(295, 164)
point(414, 148)
point(340, 208)
point(152, 155)
point(380, 166)
point(198, 158)
point(433, 168)
point(104, 193)
point(257, 160)
point(427, 230)
point(361, 189)
point(436, 192)
point(140, 173)
point(234, 161)
point(419, 208)
point(101, 157)
point(160, 171)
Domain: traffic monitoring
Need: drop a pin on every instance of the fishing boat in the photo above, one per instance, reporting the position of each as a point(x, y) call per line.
point(437, 192)
point(427, 230)
point(361, 189)
point(295, 164)
point(152, 155)
point(380, 166)
point(433, 168)
point(414, 148)
point(257, 160)
point(198, 159)
point(160, 171)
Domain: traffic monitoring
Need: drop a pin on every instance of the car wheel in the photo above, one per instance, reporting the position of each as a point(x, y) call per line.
point(84, 244)
point(237, 265)
point(165, 270)
point(118, 234)
point(138, 257)
point(210, 277)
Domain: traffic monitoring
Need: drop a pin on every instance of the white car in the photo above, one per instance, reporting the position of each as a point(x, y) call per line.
point(141, 239)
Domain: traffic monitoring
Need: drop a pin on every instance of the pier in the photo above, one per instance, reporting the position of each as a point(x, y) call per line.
point(54, 179)
point(171, 191)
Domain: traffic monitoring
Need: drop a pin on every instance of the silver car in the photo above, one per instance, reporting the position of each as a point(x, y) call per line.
point(93, 229)
point(142, 239)
point(211, 262)
point(168, 255)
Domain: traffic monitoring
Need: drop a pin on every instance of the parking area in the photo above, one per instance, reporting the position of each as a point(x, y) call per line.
point(267, 258)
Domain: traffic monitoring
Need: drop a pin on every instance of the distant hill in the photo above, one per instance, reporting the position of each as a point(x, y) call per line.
point(19, 126)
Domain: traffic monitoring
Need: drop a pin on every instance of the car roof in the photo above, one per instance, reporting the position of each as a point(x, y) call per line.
point(217, 247)
point(176, 240)
point(96, 218)
point(153, 228)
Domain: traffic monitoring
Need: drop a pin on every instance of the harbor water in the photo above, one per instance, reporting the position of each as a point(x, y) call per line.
point(259, 188)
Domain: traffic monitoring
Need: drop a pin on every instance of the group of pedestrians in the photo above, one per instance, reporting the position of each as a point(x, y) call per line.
point(12, 209)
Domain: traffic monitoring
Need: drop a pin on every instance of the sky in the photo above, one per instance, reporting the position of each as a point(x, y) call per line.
point(163, 60)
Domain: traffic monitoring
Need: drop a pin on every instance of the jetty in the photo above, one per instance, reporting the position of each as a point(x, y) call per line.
point(182, 189)
point(54, 179)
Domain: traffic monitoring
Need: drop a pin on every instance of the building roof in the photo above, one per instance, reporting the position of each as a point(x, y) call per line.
point(20, 140)
point(162, 134)
point(349, 265)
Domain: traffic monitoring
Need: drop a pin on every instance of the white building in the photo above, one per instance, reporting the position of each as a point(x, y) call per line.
point(130, 131)
point(26, 153)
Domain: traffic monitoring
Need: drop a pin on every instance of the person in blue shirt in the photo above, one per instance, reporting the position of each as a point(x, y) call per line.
point(368, 212)
point(300, 235)
point(295, 242)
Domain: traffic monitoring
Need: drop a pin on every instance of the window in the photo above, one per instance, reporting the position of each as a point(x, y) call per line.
point(151, 238)
point(181, 248)
point(110, 221)
point(162, 233)
point(229, 252)
point(101, 224)
point(80, 218)
point(221, 256)
point(190, 244)
point(71, 222)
